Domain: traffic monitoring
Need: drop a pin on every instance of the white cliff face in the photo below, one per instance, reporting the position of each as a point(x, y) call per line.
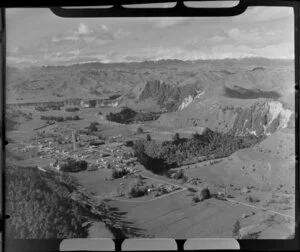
point(189, 99)
point(199, 94)
point(186, 102)
point(275, 109)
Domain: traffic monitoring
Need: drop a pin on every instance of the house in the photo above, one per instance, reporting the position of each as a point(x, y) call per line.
point(85, 104)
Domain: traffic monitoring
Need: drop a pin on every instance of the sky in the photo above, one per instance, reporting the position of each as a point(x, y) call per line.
point(37, 37)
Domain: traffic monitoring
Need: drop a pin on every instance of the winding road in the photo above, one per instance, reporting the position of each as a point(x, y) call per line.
point(184, 188)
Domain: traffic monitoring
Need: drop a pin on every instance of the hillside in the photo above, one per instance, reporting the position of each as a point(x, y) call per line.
point(250, 95)
point(50, 205)
point(139, 81)
point(266, 166)
point(45, 203)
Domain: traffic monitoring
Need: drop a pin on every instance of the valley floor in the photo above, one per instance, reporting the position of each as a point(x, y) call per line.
point(174, 215)
point(270, 216)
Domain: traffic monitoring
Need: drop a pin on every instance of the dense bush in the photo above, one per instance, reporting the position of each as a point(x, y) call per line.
point(40, 207)
point(155, 155)
point(113, 97)
point(60, 118)
point(139, 130)
point(203, 195)
point(137, 189)
point(52, 118)
point(72, 109)
point(196, 199)
point(92, 127)
point(180, 174)
point(119, 173)
point(146, 116)
point(72, 165)
point(125, 116)
point(42, 109)
point(70, 118)
point(128, 115)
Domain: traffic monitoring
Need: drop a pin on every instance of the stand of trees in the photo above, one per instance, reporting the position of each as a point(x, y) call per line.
point(125, 116)
point(40, 207)
point(60, 118)
point(161, 156)
point(74, 166)
point(73, 109)
point(128, 115)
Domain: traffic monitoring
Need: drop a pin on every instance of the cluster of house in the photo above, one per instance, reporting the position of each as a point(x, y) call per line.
point(98, 103)
point(97, 158)
point(163, 189)
point(167, 188)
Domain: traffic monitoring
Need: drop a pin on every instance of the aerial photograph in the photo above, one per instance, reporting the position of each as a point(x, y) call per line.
point(150, 127)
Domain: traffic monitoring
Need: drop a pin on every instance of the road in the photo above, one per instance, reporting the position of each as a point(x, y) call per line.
point(261, 208)
point(183, 188)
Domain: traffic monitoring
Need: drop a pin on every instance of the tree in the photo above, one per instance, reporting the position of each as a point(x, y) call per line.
point(139, 130)
point(93, 126)
point(204, 194)
point(149, 138)
point(176, 138)
point(196, 136)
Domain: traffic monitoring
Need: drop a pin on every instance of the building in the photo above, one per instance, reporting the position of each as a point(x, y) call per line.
point(88, 103)
point(85, 104)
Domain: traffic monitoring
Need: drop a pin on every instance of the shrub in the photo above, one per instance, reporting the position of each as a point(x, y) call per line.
point(149, 138)
point(191, 189)
point(196, 199)
point(137, 190)
point(74, 166)
point(73, 109)
point(76, 117)
point(252, 199)
point(119, 173)
point(40, 206)
point(204, 194)
point(125, 116)
point(93, 168)
point(93, 127)
point(179, 174)
point(139, 130)
point(176, 138)
point(60, 119)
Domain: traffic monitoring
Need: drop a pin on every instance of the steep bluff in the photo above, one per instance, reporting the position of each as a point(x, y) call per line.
point(261, 118)
point(168, 96)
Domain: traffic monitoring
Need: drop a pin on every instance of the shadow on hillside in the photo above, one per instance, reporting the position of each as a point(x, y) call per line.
point(123, 228)
point(116, 222)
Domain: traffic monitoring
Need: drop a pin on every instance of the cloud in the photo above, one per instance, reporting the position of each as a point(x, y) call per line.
point(82, 29)
point(121, 33)
point(215, 39)
point(13, 60)
point(167, 22)
point(189, 39)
